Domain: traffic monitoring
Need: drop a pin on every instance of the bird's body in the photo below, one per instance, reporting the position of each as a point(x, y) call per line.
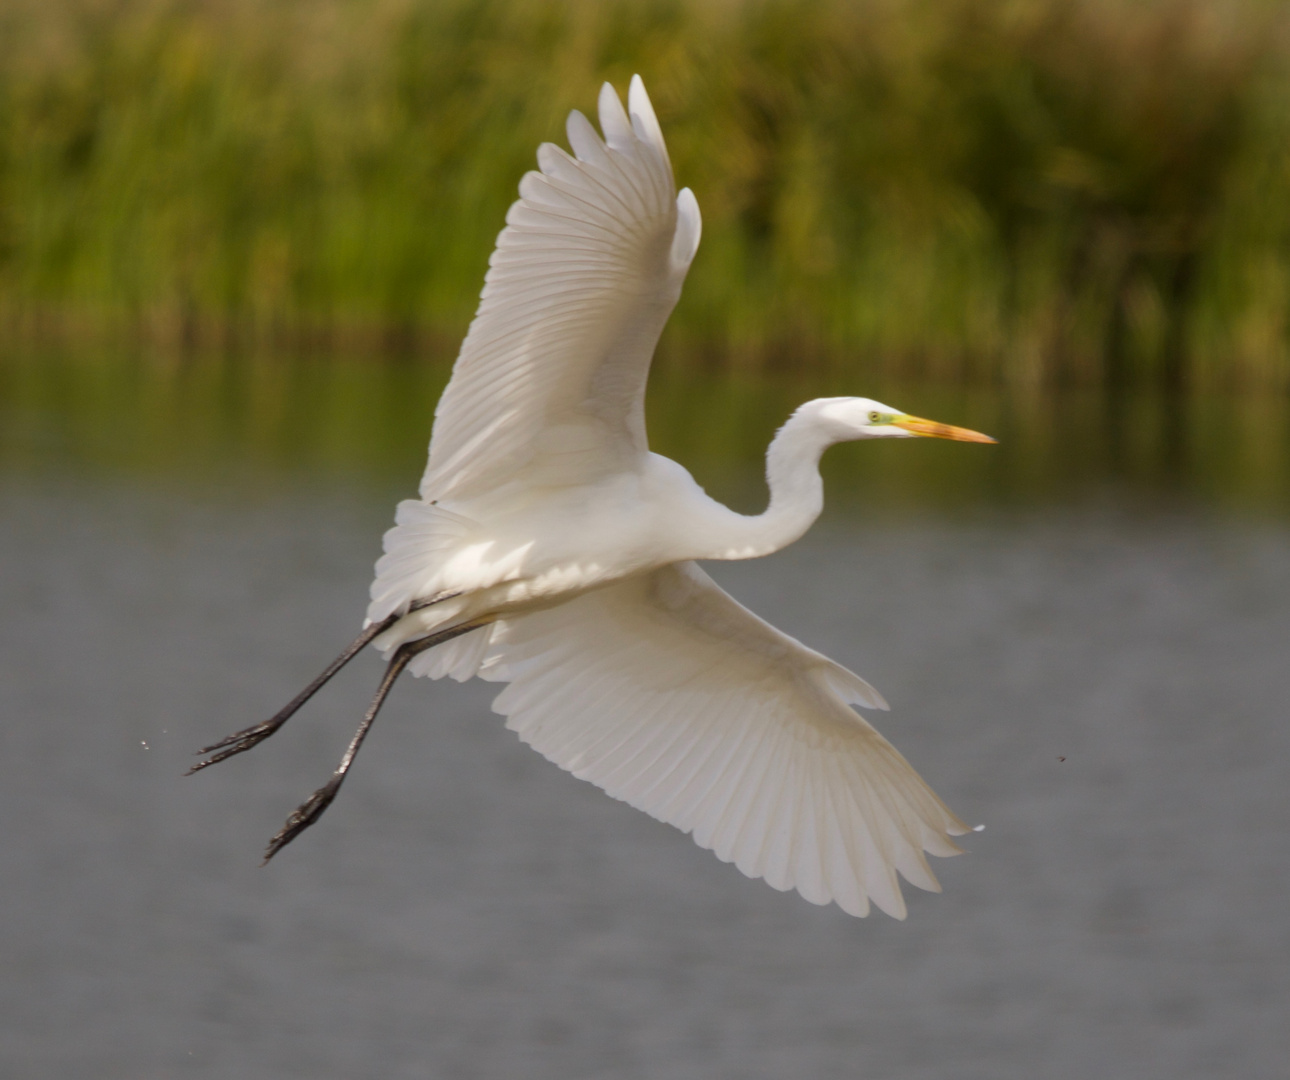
point(551, 550)
point(527, 545)
point(506, 556)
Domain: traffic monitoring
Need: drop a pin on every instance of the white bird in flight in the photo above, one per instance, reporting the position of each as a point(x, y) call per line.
point(552, 551)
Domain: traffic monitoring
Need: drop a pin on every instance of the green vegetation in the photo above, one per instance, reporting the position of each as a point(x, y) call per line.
point(1024, 191)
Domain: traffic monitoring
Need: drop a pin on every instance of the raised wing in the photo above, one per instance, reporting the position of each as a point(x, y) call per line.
point(671, 696)
point(551, 376)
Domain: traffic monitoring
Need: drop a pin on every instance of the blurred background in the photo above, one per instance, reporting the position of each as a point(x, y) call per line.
point(240, 241)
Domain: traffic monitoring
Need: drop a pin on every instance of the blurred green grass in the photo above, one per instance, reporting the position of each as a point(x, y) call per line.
point(1008, 191)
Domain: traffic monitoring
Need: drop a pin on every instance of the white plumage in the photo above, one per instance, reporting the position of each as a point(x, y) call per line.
point(583, 278)
point(552, 551)
point(668, 694)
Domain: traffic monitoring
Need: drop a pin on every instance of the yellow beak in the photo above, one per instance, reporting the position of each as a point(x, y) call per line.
point(915, 425)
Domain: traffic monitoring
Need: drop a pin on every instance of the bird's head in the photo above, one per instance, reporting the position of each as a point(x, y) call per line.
point(847, 418)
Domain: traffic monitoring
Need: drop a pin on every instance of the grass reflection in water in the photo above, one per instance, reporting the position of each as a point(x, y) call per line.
point(207, 419)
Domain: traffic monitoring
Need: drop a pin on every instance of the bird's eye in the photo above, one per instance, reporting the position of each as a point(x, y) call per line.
point(875, 417)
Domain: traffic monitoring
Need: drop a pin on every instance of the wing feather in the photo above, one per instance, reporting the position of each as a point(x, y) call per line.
point(583, 277)
point(671, 696)
point(848, 889)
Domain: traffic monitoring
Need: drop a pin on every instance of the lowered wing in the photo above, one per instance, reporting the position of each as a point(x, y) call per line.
point(671, 696)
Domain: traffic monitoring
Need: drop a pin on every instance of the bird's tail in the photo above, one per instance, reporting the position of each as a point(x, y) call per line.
point(423, 537)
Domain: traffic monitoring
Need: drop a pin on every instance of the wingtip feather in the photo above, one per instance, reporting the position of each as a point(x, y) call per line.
point(613, 119)
point(689, 228)
point(586, 144)
point(644, 120)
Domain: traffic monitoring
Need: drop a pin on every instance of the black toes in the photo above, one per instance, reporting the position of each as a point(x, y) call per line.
point(303, 816)
point(234, 744)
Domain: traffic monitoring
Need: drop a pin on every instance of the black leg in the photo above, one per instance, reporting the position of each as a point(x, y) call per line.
point(257, 733)
point(312, 808)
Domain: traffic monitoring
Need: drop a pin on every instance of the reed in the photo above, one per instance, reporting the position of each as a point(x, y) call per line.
point(1027, 191)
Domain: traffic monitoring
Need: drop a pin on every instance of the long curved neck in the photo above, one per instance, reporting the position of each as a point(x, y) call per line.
point(796, 490)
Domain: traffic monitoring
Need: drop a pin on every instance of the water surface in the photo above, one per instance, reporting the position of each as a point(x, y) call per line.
point(1093, 666)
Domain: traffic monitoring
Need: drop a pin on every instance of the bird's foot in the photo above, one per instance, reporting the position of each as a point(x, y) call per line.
point(236, 743)
point(303, 816)
point(257, 733)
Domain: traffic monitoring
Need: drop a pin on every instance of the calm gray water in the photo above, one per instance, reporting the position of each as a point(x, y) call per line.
point(1104, 687)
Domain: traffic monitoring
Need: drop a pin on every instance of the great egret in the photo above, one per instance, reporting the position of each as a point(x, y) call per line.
point(552, 551)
